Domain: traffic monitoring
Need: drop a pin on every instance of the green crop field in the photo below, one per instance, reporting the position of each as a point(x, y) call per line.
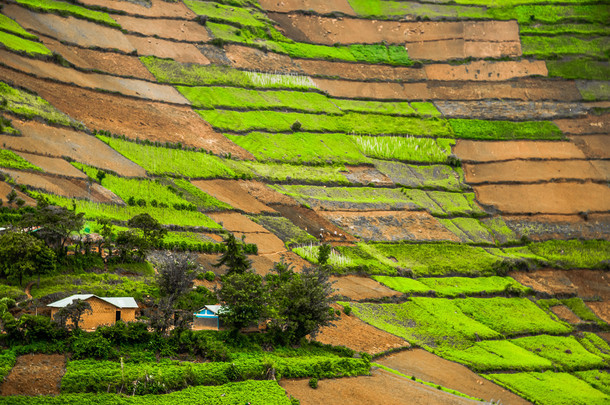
point(480, 129)
point(277, 172)
point(68, 9)
point(9, 25)
point(423, 176)
point(22, 45)
point(598, 379)
point(11, 160)
point(405, 148)
point(289, 233)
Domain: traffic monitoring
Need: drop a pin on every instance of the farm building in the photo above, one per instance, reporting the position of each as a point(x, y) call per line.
point(207, 317)
point(106, 310)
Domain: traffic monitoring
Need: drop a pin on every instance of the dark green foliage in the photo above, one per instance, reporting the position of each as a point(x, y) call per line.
point(95, 347)
point(151, 229)
point(72, 313)
point(324, 254)
point(244, 298)
point(23, 255)
point(234, 256)
point(313, 383)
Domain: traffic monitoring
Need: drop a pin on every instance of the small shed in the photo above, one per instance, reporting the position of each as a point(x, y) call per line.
point(105, 310)
point(207, 317)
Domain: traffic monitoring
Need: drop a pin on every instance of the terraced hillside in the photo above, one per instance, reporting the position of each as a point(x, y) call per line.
point(455, 154)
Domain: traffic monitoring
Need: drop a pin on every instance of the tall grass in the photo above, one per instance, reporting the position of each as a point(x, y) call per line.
point(405, 148)
point(280, 80)
point(310, 253)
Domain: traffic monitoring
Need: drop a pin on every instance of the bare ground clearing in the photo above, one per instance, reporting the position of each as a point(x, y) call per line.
point(6, 188)
point(135, 118)
point(234, 221)
point(429, 367)
point(162, 48)
point(313, 223)
point(479, 151)
point(367, 175)
point(545, 227)
point(381, 388)
point(35, 374)
point(321, 6)
point(601, 309)
point(232, 193)
point(358, 288)
point(158, 8)
point(391, 225)
point(268, 244)
point(546, 198)
point(511, 110)
point(53, 165)
point(265, 194)
point(481, 70)
point(179, 30)
point(586, 284)
point(592, 124)
point(593, 146)
point(566, 314)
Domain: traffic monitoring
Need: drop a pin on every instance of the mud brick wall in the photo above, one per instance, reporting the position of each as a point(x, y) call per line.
point(103, 314)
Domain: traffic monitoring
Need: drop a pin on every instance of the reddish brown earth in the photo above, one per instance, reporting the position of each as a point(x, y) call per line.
point(390, 225)
point(231, 192)
point(234, 221)
point(244, 57)
point(106, 62)
point(320, 6)
point(429, 367)
point(547, 198)
point(268, 244)
point(586, 284)
point(601, 309)
point(360, 71)
point(545, 227)
point(35, 374)
point(592, 124)
point(478, 151)
point(265, 194)
point(162, 48)
point(381, 388)
point(481, 70)
point(313, 223)
point(358, 288)
point(566, 314)
point(44, 139)
point(594, 146)
point(135, 118)
point(53, 165)
point(6, 188)
point(179, 30)
point(159, 8)
point(125, 86)
point(69, 29)
point(533, 171)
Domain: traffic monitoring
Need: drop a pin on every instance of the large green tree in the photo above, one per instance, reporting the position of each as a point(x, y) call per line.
point(152, 231)
point(23, 255)
point(244, 298)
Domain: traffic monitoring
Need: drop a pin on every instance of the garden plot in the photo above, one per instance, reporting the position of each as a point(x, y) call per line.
point(360, 288)
point(430, 367)
point(492, 151)
point(594, 146)
point(157, 8)
point(511, 110)
point(162, 48)
point(549, 198)
point(231, 192)
point(592, 124)
point(321, 6)
point(177, 30)
point(6, 188)
point(106, 62)
point(391, 226)
point(253, 59)
point(35, 374)
point(565, 314)
point(359, 71)
point(313, 223)
point(469, 230)
point(236, 222)
point(518, 171)
point(442, 177)
point(266, 195)
point(367, 175)
point(481, 70)
point(601, 309)
point(598, 379)
point(69, 29)
point(38, 138)
point(405, 148)
point(545, 227)
point(124, 86)
point(53, 165)
point(281, 227)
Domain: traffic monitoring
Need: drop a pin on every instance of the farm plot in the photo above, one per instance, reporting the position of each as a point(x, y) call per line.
point(441, 177)
point(469, 230)
point(10, 26)
point(189, 31)
point(311, 222)
point(232, 193)
point(476, 151)
point(598, 379)
point(10, 159)
point(573, 253)
point(62, 8)
point(288, 232)
point(545, 227)
point(49, 165)
point(360, 288)
point(406, 148)
point(21, 45)
point(154, 8)
point(482, 70)
point(367, 175)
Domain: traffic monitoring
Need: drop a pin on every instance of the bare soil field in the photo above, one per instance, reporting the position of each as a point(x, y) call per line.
point(6, 188)
point(53, 165)
point(566, 314)
point(429, 367)
point(481, 70)
point(592, 124)
point(381, 388)
point(135, 118)
point(490, 151)
point(313, 223)
point(244, 57)
point(162, 48)
point(586, 284)
point(234, 221)
point(601, 309)
point(526, 89)
point(321, 6)
point(593, 146)
point(69, 29)
point(360, 71)
point(39, 138)
point(128, 87)
point(391, 225)
point(367, 175)
point(107, 62)
point(358, 288)
point(512, 110)
point(520, 171)
point(159, 8)
point(546, 198)
point(231, 192)
point(265, 194)
point(268, 243)
point(545, 227)
point(35, 374)
point(179, 30)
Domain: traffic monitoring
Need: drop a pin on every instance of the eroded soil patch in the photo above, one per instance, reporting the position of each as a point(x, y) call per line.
point(592, 124)
point(566, 314)
point(358, 288)
point(162, 48)
point(35, 374)
point(313, 223)
point(232, 193)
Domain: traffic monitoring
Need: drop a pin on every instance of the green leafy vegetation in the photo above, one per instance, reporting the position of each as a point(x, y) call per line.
point(407, 148)
point(312, 252)
point(595, 344)
point(9, 25)
point(12, 160)
point(69, 9)
point(8, 358)
point(480, 129)
point(574, 253)
point(276, 172)
point(19, 44)
point(469, 230)
point(598, 379)
point(544, 47)
point(370, 53)
point(378, 107)
point(580, 68)
point(219, 12)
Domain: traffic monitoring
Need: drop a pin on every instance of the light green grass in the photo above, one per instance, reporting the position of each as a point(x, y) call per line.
point(595, 344)
point(8, 25)
point(198, 197)
point(229, 13)
point(22, 45)
point(579, 68)
point(378, 107)
point(69, 9)
point(11, 160)
point(544, 47)
point(574, 253)
point(598, 379)
point(481, 129)
point(276, 172)
point(469, 230)
point(407, 148)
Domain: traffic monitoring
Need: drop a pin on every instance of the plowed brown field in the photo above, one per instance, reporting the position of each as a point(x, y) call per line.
point(162, 48)
point(178, 30)
point(53, 165)
point(232, 192)
point(481, 70)
point(159, 8)
point(35, 374)
point(321, 6)
point(535, 171)
point(477, 151)
point(358, 288)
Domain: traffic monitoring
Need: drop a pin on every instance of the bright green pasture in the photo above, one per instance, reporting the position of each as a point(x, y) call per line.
point(11, 160)
point(66, 8)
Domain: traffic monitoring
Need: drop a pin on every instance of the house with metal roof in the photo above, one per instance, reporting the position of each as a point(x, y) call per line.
point(207, 317)
point(104, 310)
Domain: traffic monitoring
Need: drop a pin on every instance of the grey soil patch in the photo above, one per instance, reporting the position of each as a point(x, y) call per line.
point(391, 226)
point(231, 192)
point(564, 313)
point(593, 124)
point(367, 175)
point(313, 223)
point(162, 48)
point(320, 6)
point(159, 8)
point(534, 171)
point(358, 288)
point(53, 165)
point(546, 198)
point(481, 70)
point(479, 151)
point(107, 62)
point(40, 138)
point(6, 188)
point(511, 110)
point(429, 367)
point(381, 388)
point(601, 309)
point(135, 118)
point(35, 374)
point(545, 227)
point(125, 86)
point(69, 29)
point(593, 146)
point(178, 30)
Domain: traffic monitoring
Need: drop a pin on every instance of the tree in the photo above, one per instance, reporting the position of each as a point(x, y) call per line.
point(152, 231)
point(22, 255)
point(73, 313)
point(129, 243)
point(107, 232)
point(234, 257)
point(176, 277)
point(244, 299)
point(55, 225)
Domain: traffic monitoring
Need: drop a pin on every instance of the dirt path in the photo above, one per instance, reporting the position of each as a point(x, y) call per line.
point(28, 288)
point(35, 374)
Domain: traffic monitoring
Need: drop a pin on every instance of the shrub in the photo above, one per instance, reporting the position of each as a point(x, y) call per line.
point(96, 347)
point(209, 276)
point(313, 383)
point(347, 309)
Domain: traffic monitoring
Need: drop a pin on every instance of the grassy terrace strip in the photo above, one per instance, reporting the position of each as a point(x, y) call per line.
point(379, 107)
point(277, 172)
point(273, 121)
point(9, 25)
point(300, 148)
point(480, 129)
point(253, 392)
point(576, 305)
point(177, 162)
point(454, 286)
point(595, 344)
point(230, 13)
point(469, 230)
point(543, 47)
point(166, 216)
point(564, 351)
point(284, 229)
point(598, 379)
point(407, 148)
point(565, 28)
point(69, 9)
point(169, 71)
point(336, 259)
point(22, 45)
point(28, 105)
point(570, 254)
point(550, 388)
point(10, 159)
point(580, 68)
point(442, 177)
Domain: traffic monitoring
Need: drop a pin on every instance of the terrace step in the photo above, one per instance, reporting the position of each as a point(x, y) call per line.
point(512, 110)
point(490, 151)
